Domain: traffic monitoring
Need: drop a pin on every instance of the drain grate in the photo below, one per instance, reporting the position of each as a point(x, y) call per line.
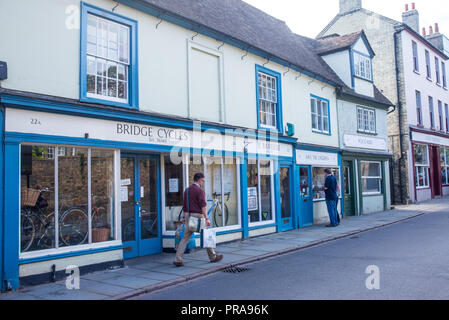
point(235, 270)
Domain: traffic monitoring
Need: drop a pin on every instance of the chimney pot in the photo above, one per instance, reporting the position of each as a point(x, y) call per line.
point(430, 30)
point(406, 7)
point(437, 28)
point(413, 6)
point(424, 32)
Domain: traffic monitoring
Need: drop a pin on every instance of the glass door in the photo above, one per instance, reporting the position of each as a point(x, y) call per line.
point(305, 195)
point(140, 206)
point(348, 189)
point(286, 199)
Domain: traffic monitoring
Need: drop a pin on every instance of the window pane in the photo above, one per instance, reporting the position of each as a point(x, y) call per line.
point(230, 192)
point(37, 228)
point(127, 199)
point(124, 45)
point(371, 185)
point(253, 193)
point(265, 189)
point(213, 190)
point(103, 202)
point(113, 41)
point(174, 191)
point(421, 154)
point(73, 197)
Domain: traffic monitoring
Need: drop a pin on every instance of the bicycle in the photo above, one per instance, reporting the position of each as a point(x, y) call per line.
point(148, 225)
point(216, 208)
point(39, 227)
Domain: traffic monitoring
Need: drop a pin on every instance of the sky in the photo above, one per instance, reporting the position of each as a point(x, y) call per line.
point(309, 17)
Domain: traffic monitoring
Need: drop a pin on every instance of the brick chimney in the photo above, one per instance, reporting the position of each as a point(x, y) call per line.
point(411, 17)
point(350, 5)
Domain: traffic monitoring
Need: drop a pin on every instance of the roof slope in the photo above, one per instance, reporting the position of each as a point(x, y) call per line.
point(336, 43)
point(247, 24)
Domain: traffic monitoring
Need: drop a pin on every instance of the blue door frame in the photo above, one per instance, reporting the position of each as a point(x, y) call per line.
point(305, 197)
point(2, 161)
point(286, 224)
point(143, 247)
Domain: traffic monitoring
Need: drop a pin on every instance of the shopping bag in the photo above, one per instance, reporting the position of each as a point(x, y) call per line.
point(179, 234)
point(208, 238)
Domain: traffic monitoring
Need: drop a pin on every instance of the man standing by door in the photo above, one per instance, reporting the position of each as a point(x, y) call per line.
point(330, 188)
point(194, 205)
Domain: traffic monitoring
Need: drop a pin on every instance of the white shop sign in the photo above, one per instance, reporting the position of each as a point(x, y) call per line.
point(51, 124)
point(355, 141)
point(316, 158)
point(427, 138)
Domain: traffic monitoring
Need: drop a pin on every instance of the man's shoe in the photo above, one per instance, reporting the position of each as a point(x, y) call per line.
point(331, 226)
point(218, 257)
point(178, 264)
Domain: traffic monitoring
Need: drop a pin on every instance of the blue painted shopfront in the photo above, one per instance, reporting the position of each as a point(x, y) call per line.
point(12, 150)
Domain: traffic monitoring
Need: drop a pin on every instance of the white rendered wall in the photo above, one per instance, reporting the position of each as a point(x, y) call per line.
point(340, 62)
point(48, 63)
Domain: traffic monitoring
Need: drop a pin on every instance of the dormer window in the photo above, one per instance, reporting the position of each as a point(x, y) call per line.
point(362, 66)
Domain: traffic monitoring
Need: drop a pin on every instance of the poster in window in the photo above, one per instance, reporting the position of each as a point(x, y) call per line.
point(253, 202)
point(173, 185)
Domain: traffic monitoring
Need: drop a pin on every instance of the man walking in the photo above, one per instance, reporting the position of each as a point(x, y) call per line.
point(194, 205)
point(330, 189)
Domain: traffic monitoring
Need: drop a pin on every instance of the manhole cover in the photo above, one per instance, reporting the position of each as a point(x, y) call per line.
point(235, 270)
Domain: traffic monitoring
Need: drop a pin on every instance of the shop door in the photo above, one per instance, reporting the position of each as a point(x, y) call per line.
point(348, 189)
point(286, 199)
point(305, 195)
point(140, 176)
point(436, 172)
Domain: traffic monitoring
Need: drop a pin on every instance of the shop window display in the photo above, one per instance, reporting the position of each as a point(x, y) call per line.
point(260, 200)
point(319, 178)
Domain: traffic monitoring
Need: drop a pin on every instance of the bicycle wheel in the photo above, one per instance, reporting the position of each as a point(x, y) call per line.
point(218, 216)
point(128, 231)
point(73, 227)
point(27, 230)
point(47, 232)
point(226, 214)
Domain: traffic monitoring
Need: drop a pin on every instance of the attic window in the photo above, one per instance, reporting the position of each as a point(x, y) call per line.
point(362, 66)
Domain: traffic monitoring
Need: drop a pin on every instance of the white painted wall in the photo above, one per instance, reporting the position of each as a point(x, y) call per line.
point(373, 204)
point(414, 81)
point(363, 87)
point(340, 62)
point(361, 47)
point(47, 62)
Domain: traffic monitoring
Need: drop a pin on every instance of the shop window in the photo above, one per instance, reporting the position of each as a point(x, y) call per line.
point(260, 190)
point(83, 181)
point(421, 166)
point(221, 188)
point(371, 173)
point(319, 178)
point(444, 158)
point(108, 57)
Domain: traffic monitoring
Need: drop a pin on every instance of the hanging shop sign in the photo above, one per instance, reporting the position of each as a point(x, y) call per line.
point(363, 142)
point(33, 122)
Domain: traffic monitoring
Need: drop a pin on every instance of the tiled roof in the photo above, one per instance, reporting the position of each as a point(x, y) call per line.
point(336, 43)
point(240, 21)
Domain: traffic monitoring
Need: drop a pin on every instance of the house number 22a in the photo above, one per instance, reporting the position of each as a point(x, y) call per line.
point(35, 121)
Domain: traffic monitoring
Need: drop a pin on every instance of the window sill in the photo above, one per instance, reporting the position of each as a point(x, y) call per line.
point(420, 126)
point(321, 132)
point(422, 188)
point(368, 133)
point(417, 72)
point(373, 194)
point(438, 84)
point(430, 79)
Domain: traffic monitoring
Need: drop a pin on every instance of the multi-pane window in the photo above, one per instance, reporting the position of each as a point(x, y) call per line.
point(362, 66)
point(444, 159)
point(419, 108)
point(446, 109)
point(108, 60)
point(320, 115)
point(421, 166)
point(366, 120)
point(371, 173)
point(440, 115)
point(437, 70)
point(415, 56)
point(268, 100)
point(432, 120)
point(428, 68)
point(443, 72)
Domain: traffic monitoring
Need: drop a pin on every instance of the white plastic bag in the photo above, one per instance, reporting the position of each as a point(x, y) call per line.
point(208, 238)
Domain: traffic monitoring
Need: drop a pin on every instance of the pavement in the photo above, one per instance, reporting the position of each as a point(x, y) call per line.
point(148, 274)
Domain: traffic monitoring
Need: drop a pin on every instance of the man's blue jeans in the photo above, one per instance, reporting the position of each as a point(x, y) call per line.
point(332, 210)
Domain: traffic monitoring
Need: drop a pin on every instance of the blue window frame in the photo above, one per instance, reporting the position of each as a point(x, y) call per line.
point(269, 100)
point(362, 66)
point(437, 70)
point(108, 68)
point(320, 112)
